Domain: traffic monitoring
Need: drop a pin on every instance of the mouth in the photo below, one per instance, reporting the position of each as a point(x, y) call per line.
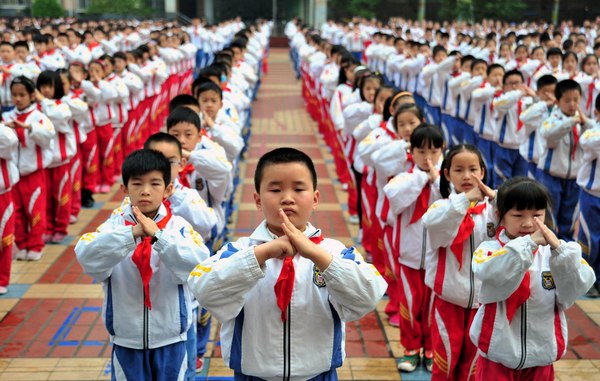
point(288, 212)
point(144, 202)
point(467, 186)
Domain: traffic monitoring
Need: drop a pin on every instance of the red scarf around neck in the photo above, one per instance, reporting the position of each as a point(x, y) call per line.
point(464, 231)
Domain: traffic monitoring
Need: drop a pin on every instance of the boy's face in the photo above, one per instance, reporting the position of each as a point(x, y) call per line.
point(171, 152)
point(286, 186)
point(7, 53)
point(21, 53)
point(495, 77)
point(479, 70)
point(513, 82)
point(120, 65)
point(40, 47)
point(210, 103)
point(440, 56)
point(187, 134)
point(554, 60)
point(569, 101)
point(546, 93)
point(147, 192)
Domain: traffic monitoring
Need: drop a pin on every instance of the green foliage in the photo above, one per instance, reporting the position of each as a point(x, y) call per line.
point(47, 8)
point(470, 10)
point(349, 8)
point(119, 7)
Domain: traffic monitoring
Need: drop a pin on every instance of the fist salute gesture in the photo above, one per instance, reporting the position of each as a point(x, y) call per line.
point(544, 236)
point(146, 227)
point(480, 191)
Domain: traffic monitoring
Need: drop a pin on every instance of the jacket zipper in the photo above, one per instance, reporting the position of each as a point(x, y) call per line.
point(423, 248)
point(523, 336)
point(471, 275)
point(287, 346)
point(145, 328)
point(570, 150)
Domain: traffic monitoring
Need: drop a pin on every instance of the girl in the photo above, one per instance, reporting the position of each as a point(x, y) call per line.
point(49, 92)
point(456, 225)
point(528, 279)
point(35, 133)
point(409, 195)
point(569, 65)
point(589, 80)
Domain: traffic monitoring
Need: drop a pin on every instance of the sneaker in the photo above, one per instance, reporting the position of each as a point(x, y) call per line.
point(345, 186)
point(3, 290)
point(353, 220)
point(72, 219)
point(34, 255)
point(409, 362)
point(593, 292)
point(394, 320)
point(21, 255)
point(199, 364)
point(58, 237)
point(428, 360)
point(47, 237)
point(104, 188)
point(359, 235)
point(87, 201)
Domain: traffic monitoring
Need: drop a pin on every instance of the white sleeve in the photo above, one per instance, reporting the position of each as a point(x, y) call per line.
point(404, 189)
point(572, 274)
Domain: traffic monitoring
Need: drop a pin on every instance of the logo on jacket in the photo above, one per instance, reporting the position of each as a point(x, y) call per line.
point(318, 279)
point(548, 280)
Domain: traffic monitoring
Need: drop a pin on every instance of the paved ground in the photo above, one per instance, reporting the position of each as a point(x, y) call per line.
point(50, 325)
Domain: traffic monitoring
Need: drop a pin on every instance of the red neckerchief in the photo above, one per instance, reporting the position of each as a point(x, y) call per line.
point(491, 58)
point(20, 130)
point(285, 282)
point(522, 293)
point(575, 141)
point(422, 202)
point(464, 231)
point(183, 175)
point(455, 74)
point(496, 95)
point(588, 103)
point(77, 92)
point(143, 253)
point(92, 45)
point(391, 134)
point(519, 110)
point(5, 75)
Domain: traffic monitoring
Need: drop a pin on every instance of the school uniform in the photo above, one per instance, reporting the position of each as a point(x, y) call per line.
point(485, 123)
point(52, 60)
point(15, 69)
point(532, 119)
point(449, 274)
point(9, 146)
point(525, 290)
point(136, 87)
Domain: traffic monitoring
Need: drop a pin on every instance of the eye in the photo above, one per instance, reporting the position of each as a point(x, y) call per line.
point(274, 190)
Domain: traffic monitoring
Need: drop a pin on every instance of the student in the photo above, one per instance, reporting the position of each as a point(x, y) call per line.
point(332, 284)
point(516, 97)
point(9, 146)
point(49, 94)
point(456, 225)
point(590, 83)
point(410, 194)
point(47, 58)
point(562, 156)
point(528, 279)
point(532, 119)
point(35, 133)
point(588, 179)
point(143, 257)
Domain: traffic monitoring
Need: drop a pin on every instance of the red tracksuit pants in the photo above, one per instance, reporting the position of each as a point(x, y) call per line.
point(454, 355)
point(7, 231)
point(106, 153)
point(89, 154)
point(58, 199)
point(415, 303)
point(29, 197)
point(75, 171)
point(489, 370)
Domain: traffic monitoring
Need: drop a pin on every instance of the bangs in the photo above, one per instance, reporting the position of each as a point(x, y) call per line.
point(427, 136)
point(526, 195)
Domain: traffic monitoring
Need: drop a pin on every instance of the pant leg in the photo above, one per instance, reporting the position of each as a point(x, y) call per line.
point(75, 173)
point(169, 363)
point(414, 305)
point(190, 347)
point(52, 188)
point(7, 230)
point(446, 125)
point(467, 363)
point(32, 226)
point(589, 230)
point(503, 166)
point(90, 161)
point(457, 130)
point(568, 208)
point(20, 219)
point(117, 150)
point(555, 189)
point(354, 194)
point(61, 198)
point(105, 153)
point(490, 370)
point(203, 332)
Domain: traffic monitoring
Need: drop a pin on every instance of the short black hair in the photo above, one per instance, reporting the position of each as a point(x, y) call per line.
point(553, 52)
point(22, 44)
point(511, 73)
point(209, 86)
point(7, 44)
point(546, 80)
point(566, 85)
point(597, 103)
point(22, 80)
point(427, 136)
point(494, 66)
point(183, 114)
point(183, 100)
point(120, 55)
point(523, 193)
point(53, 79)
point(283, 155)
point(144, 161)
point(437, 49)
point(163, 137)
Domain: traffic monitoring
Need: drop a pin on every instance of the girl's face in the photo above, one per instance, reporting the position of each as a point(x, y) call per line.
point(20, 96)
point(591, 66)
point(519, 223)
point(380, 101)
point(424, 155)
point(539, 55)
point(521, 54)
point(96, 71)
point(464, 166)
point(47, 91)
point(570, 64)
point(66, 83)
point(406, 123)
point(505, 51)
point(350, 73)
point(369, 89)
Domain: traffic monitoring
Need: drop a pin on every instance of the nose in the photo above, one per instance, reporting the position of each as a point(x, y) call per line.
point(527, 222)
point(146, 189)
point(286, 198)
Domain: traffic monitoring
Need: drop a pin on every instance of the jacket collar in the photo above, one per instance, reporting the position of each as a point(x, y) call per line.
point(263, 234)
point(129, 216)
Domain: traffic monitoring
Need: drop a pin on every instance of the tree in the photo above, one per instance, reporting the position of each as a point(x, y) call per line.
point(47, 8)
point(500, 9)
point(118, 7)
point(351, 8)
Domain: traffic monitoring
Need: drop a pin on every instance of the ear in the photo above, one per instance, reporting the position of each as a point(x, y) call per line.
point(183, 164)
point(316, 197)
point(168, 191)
point(124, 189)
point(257, 201)
point(446, 174)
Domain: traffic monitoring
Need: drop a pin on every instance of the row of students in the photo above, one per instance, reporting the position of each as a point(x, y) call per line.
point(454, 288)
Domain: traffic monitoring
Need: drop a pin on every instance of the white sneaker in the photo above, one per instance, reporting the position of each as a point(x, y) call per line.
point(3, 290)
point(21, 255)
point(34, 255)
point(353, 220)
point(359, 235)
point(345, 186)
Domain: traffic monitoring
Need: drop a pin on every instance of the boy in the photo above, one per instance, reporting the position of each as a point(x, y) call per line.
point(334, 285)
point(516, 97)
point(532, 119)
point(143, 257)
point(562, 156)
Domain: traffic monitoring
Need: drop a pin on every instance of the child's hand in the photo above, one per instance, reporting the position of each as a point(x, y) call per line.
point(38, 96)
point(432, 173)
point(304, 245)
point(278, 248)
point(487, 191)
point(208, 121)
point(544, 236)
point(185, 153)
point(148, 225)
point(581, 115)
point(17, 124)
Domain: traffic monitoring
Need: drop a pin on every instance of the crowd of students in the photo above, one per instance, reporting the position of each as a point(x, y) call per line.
point(424, 121)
